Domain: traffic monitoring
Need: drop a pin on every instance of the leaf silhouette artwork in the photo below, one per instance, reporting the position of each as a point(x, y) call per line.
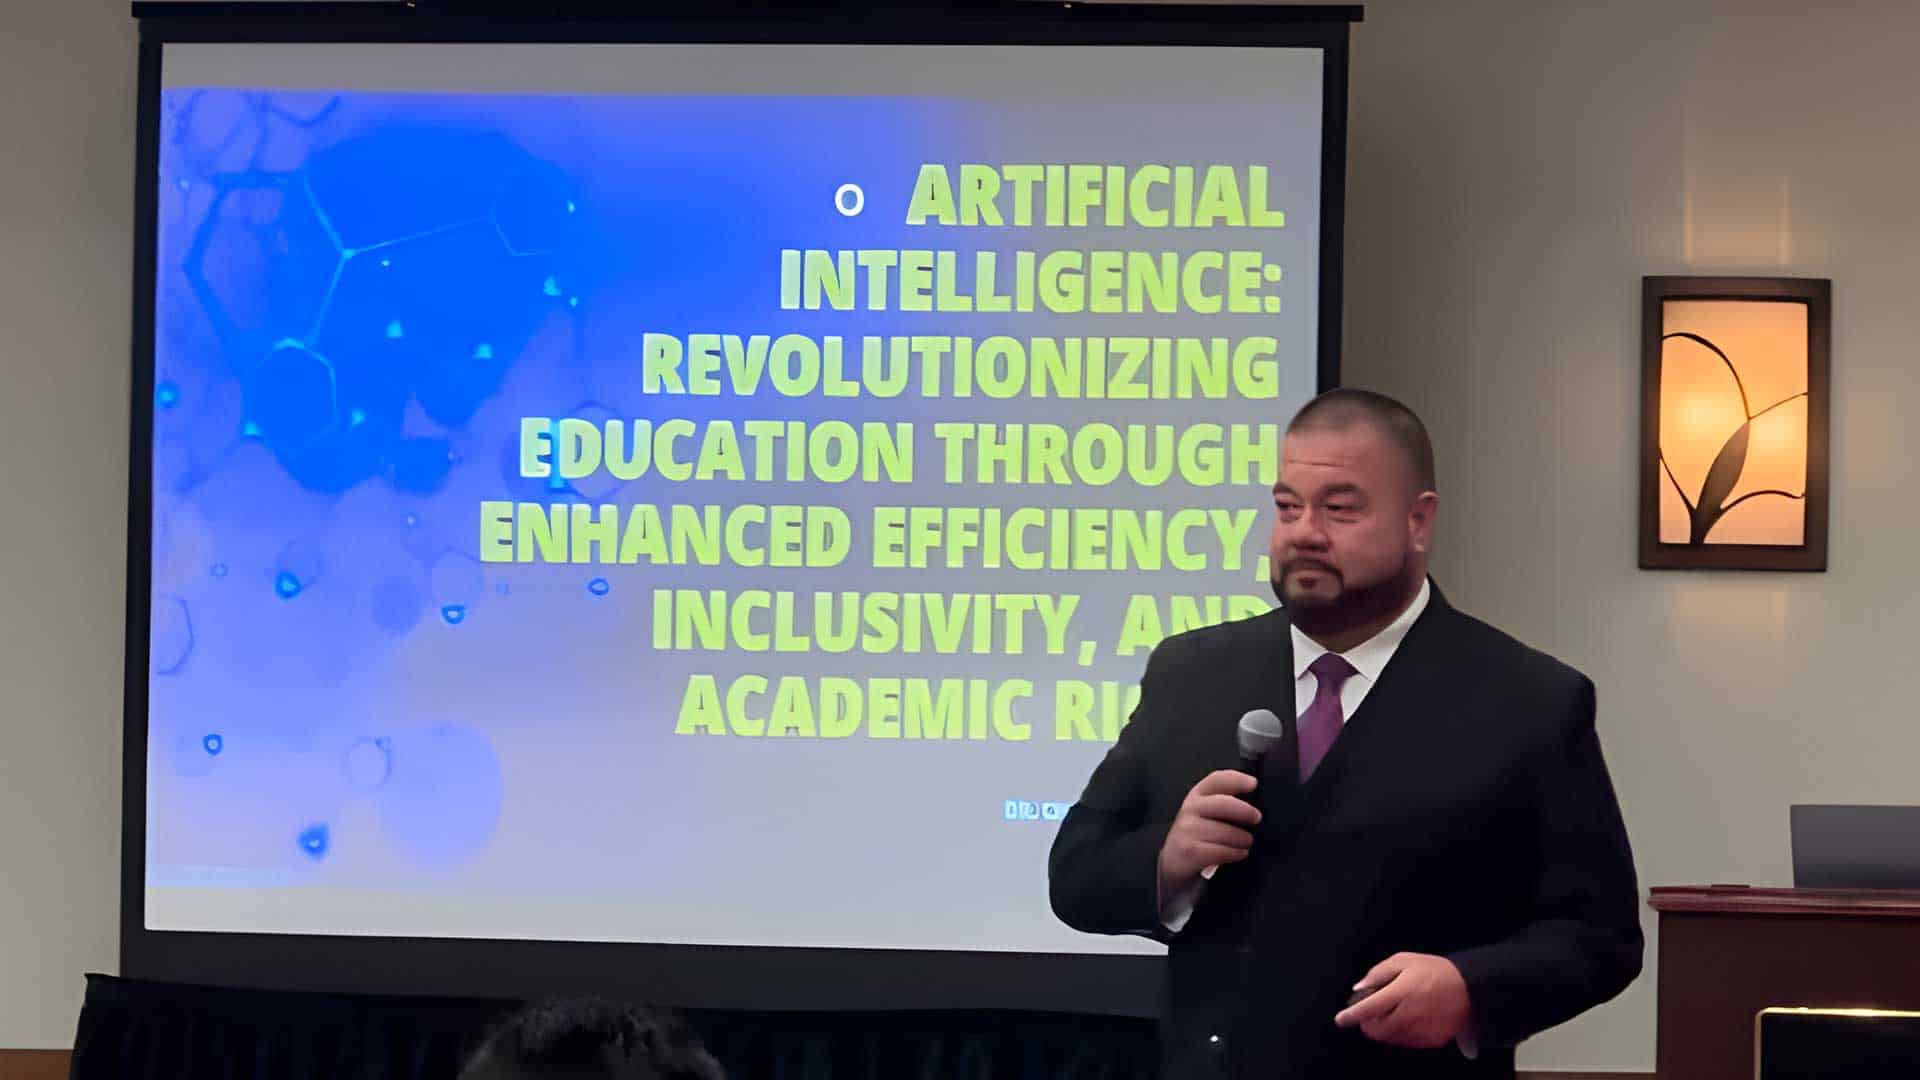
point(1720, 480)
point(1718, 453)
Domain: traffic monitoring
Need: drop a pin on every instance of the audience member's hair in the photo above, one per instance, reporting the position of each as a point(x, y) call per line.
point(589, 1039)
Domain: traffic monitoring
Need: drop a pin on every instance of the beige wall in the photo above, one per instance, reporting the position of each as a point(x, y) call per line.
point(66, 215)
point(1517, 165)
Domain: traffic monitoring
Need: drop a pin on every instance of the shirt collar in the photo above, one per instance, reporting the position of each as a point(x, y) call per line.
point(1369, 658)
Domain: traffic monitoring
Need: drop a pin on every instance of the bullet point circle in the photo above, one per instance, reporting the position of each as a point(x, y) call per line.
point(849, 200)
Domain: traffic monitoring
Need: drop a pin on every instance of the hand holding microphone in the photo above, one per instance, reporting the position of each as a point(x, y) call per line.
point(1214, 823)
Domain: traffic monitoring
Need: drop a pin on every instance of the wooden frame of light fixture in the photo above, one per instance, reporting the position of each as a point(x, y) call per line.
point(1811, 553)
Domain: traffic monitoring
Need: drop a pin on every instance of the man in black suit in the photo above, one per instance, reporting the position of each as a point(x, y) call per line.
point(1437, 868)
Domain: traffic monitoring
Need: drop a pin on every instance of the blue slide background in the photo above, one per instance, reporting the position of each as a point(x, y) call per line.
point(346, 281)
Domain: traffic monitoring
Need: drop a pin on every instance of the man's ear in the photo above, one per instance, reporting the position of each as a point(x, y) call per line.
point(1420, 520)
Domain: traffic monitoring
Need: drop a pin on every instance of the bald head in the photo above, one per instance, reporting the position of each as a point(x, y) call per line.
point(1343, 409)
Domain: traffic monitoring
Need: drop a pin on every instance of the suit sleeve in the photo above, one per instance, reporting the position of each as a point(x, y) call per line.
point(1103, 873)
point(1582, 944)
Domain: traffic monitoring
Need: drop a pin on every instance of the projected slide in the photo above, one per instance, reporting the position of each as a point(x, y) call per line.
point(697, 494)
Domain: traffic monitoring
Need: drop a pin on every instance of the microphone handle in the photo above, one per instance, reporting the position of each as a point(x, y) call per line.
point(1251, 766)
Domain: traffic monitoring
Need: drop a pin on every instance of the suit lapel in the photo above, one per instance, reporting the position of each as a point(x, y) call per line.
point(1269, 678)
point(1261, 677)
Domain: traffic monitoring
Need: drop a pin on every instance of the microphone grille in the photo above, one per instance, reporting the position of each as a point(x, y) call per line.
point(1259, 731)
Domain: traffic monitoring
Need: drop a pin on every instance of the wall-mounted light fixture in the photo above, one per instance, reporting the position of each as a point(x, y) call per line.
point(1733, 420)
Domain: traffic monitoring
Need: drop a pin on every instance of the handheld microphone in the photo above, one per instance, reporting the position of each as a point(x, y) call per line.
point(1259, 732)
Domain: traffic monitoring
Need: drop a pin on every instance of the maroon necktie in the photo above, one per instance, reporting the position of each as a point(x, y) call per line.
point(1321, 723)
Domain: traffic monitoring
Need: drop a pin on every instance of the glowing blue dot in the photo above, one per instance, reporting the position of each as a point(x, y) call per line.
point(570, 206)
point(250, 430)
point(573, 301)
point(213, 743)
point(166, 395)
point(218, 569)
point(455, 614)
point(287, 585)
point(386, 262)
point(314, 841)
point(348, 253)
point(551, 287)
point(412, 519)
point(394, 330)
point(483, 351)
point(183, 185)
point(356, 417)
point(599, 587)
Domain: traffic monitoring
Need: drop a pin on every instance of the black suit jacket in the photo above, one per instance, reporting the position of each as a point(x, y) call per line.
point(1464, 811)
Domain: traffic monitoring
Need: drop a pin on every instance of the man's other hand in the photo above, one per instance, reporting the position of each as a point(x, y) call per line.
point(1411, 1000)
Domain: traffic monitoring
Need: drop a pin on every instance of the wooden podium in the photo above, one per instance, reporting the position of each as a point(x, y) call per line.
point(1728, 951)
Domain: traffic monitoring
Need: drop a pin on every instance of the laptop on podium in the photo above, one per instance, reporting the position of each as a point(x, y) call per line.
point(1856, 847)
